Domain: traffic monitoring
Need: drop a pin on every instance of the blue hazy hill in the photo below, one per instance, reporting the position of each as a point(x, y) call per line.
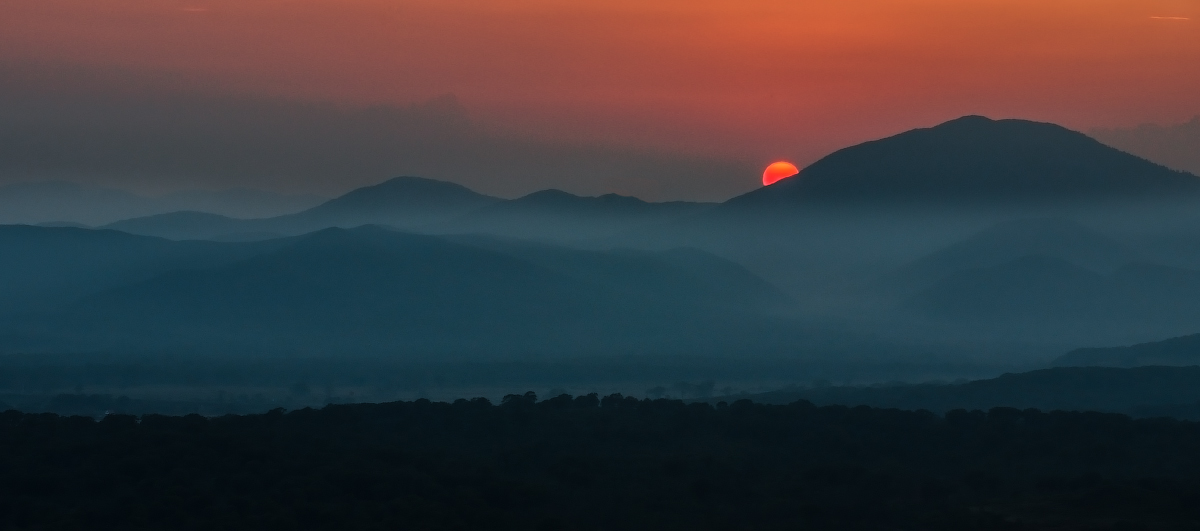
point(558, 215)
point(1177, 351)
point(44, 268)
point(372, 290)
point(428, 205)
point(402, 202)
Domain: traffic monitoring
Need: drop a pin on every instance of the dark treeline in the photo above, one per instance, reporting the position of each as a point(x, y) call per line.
point(1139, 392)
point(592, 463)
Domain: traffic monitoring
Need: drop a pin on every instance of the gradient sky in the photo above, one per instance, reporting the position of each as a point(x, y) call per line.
point(752, 80)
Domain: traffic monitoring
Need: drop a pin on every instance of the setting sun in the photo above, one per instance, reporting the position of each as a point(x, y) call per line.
point(777, 171)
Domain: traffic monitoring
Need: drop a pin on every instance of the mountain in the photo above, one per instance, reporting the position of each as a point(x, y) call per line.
point(427, 205)
point(57, 201)
point(188, 225)
point(558, 215)
point(375, 291)
point(681, 275)
point(1031, 288)
point(401, 202)
point(237, 202)
point(1175, 351)
point(1057, 238)
point(976, 159)
point(43, 269)
point(1043, 297)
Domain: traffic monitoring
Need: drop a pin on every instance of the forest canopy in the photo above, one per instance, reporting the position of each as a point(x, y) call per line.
point(599, 463)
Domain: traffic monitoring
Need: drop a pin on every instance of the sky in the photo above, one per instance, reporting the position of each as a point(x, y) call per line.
point(671, 99)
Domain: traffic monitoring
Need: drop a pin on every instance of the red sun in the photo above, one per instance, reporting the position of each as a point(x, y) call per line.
point(777, 171)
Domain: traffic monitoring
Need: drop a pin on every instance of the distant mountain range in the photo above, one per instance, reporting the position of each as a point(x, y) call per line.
point(1046, 278)
point(56, 201)
point(370, 290)
point(1039, 296)
point(1177, 351)
point(969, 161)
point(394, 266)
point(43, 269)
point(1054, 238)
point(430, 206)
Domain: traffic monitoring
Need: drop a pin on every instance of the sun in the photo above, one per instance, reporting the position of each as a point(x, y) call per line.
point(778, 170)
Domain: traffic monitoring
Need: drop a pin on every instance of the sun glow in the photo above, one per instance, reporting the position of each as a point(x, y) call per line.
point(778, 171)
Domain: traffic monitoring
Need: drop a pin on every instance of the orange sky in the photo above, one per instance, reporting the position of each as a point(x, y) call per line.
point(755, 79)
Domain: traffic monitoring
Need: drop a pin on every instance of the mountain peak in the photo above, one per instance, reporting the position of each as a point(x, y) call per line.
point(400, 201)
point(406, 188)
point(977, 159)
point(554, 196)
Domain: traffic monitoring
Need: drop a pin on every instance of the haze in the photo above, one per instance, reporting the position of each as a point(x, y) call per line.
point(587, 265)
point(680, 83)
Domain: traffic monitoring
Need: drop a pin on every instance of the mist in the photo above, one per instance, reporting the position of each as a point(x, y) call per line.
point(1176, 146)
point(154, 134)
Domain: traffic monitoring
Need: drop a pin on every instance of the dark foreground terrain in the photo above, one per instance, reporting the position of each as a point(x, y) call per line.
point(590, 463)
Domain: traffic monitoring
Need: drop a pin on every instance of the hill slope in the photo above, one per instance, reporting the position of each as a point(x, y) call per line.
point(402, 202)
point(44, 268)
point(558, 215)
point(980, 160)
point(1038, 296)
point(370, 290)
point(189, 225)
point(1175, 351)
point(1057, 238)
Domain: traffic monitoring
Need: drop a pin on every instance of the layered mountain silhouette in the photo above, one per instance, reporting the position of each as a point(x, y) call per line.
point(1060, 278)
point(59, 201)
point(371, 290)
point(976, 159)
point(968, 161)
point(431, 206)
point(1040, 296)
point(191, 225)
point(1177, 351)
point(1055, 238)
point(401, 202)
point(558, 215)
point(45, 268)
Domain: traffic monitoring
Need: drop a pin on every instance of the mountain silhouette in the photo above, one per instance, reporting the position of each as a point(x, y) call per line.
point(558, 215)
point(679, 276)
point(1177, 351)
point(371, 290)
point(1042, 297)
point(1029, 288)
point(60, 201)
point(190, 225)
point(401, 202)
point(431, 206)
point(976, 159)
point(1055, 237)
point(44, 268)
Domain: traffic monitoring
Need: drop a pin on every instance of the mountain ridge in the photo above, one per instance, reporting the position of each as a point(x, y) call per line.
point(975, 158)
